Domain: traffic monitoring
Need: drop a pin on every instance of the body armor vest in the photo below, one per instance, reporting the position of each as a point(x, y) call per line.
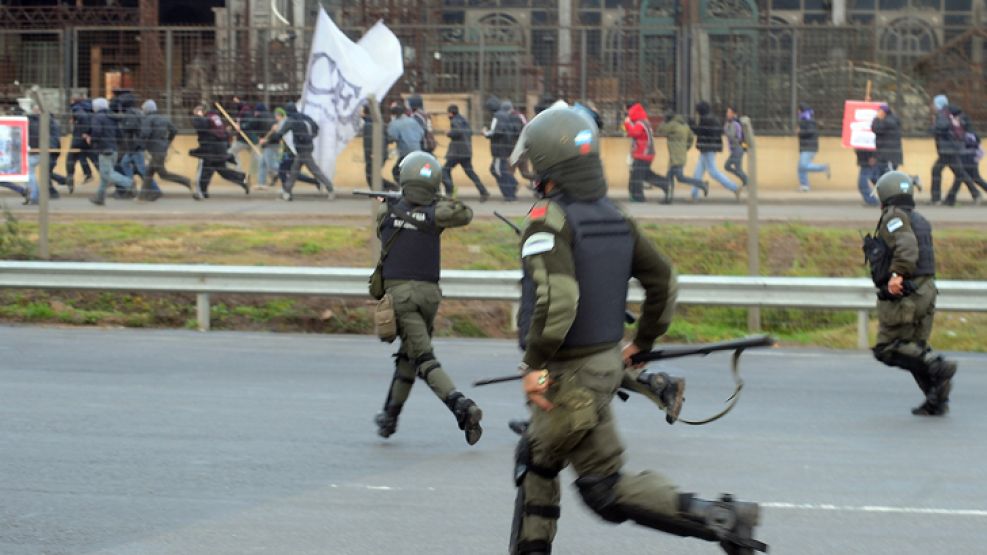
point(603, 252)
point(926, 265)
point(416, 252)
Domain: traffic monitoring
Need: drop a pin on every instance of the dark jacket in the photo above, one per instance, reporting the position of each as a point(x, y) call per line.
point(212, 135)
point(302, 127)
point(709, 132)
point(808, 135)
point(157, 132)
point(948, 139)
point(461, 139)
point(256, 124)
point(368, 139)
point(82, 113)
point(504, 131)
point(129, 122)
point(104, 132)
point(887, 136)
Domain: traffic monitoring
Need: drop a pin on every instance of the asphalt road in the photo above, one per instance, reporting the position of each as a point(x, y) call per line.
point(310, 207)
point(168, 442)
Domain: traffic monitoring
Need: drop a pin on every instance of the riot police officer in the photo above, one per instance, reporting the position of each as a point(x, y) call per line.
point(411, 229)
point(907, 299)
point(578, 252)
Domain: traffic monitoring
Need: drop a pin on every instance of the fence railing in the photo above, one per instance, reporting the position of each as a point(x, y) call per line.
point(856, 294)
point(762, 69)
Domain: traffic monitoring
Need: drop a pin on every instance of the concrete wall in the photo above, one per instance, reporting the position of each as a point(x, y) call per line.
point(777, 157)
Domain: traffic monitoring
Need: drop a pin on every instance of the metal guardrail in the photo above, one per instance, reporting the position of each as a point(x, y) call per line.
point(855, 294)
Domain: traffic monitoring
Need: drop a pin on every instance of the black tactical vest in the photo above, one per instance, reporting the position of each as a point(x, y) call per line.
point(416, 253)
point(603, 251)
point(926, 265)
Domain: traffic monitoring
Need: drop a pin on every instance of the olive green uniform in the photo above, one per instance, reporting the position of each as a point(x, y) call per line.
point(905, 322)
point(578, 252)
point(411, 230)
point(415, 305)
point(581, 429)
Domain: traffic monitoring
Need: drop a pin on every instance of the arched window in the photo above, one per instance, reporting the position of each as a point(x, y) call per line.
point(905, 41)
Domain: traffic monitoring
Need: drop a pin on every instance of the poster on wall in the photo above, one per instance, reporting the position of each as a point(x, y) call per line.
point(13, 149)
point(857, 117)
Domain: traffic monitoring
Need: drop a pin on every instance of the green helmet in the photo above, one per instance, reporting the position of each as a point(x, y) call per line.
point(893, 184)
point(555, 136)
point(421, 176)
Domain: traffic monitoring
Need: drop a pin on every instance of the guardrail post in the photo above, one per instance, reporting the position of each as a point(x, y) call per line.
point(863, 341)
point(202, 310)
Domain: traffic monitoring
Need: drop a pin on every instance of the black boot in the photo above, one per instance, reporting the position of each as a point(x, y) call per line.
point(467, 415)
point(670, 391)
point(940, 372)
point(387, 421)
point(732, 522)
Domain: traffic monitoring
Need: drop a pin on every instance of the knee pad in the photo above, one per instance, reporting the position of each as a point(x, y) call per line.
point(599, 495)
point(425, 364)
point(523, 464)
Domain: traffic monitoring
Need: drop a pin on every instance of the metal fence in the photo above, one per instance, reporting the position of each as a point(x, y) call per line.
point(855, 294)
point(764, 70)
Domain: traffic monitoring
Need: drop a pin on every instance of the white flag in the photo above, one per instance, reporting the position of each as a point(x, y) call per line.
point(341, 74)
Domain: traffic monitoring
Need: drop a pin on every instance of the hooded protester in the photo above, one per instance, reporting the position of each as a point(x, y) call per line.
point(102, 136)
point(808, 147)
point(969, 152)
point(157, 133)
point(212, 152)
point(303, 131)
point(505, 128)
point(678, 138)
point(709, 141)
point(950, 132)
point(638, 128)
point(887, 139)
point(79, 150)
point(734, 132)
point(132, 160)
point(460, 153)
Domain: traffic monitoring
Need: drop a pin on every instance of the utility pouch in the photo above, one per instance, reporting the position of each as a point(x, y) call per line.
point(385, 321)
point(376, 281)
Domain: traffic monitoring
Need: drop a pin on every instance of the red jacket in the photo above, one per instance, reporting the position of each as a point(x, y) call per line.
point(639, 128)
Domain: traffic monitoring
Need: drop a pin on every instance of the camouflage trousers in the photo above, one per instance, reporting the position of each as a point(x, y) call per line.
point(581, 431)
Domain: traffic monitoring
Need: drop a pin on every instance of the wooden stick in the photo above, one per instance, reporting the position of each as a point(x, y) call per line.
point(238, 130)
point(867, 93)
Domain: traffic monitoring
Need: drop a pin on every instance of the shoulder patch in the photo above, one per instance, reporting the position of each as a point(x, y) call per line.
point(894, 224)
point(538, 212)
point(538, 243)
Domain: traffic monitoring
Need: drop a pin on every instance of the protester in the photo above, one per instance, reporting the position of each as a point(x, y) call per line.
point(736, 144)
point(460, 153)
point(709, 141)
point(504, 130)
point(212, 152)
point(157, 133)
point(678, 138)
point(103, 138)
point(638, 128)
point(808, 147)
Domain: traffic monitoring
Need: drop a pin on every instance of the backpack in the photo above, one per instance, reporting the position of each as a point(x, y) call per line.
point(973, 143)
point(958, 130)
point(424, 119)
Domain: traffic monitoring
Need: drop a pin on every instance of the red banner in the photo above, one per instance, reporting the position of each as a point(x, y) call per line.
point(857, 117)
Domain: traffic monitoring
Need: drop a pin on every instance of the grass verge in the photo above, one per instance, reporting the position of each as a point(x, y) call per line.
point(787, 250)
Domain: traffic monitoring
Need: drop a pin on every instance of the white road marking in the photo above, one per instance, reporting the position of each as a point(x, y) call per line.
point(874, 509)
point(766, 505)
